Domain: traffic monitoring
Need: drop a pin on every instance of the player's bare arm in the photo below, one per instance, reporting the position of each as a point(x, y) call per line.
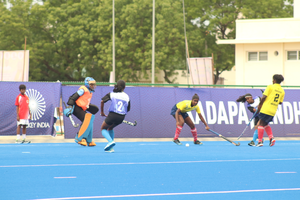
point(102, 108)
point(203, 121)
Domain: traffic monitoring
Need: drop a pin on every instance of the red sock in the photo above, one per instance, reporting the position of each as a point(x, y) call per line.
point(177, 132)
point(194, 132)
point(269, 131)
point(260, 131)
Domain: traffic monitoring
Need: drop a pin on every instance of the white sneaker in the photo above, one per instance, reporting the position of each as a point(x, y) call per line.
point(109, 146)
point(110, 151)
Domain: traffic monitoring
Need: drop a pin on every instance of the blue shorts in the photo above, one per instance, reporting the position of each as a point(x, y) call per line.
point(265, 118)
point(173, 111)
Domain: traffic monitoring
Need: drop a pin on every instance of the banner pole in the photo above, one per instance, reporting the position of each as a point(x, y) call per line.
point(2, 72)
point(24, 60)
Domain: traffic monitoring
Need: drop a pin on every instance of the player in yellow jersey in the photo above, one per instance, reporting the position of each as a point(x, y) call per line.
point(179, 112)
point(272, 96)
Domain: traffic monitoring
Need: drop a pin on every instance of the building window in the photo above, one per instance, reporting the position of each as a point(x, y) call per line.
point(292, 55)
point(258, 56)
point(252, 56)
point(263, 55)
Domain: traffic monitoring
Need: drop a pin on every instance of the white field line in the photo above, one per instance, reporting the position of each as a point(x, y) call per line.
point(66, 177)
point(174, 194)
point(151, 163)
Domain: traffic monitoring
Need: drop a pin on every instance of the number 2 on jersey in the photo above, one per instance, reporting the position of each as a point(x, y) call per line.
point(120, 106)
point(276, 97)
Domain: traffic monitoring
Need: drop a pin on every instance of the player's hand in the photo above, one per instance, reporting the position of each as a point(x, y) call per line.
point(103, 114)
point(69, 111)
point(207, 128)
point(18, 118)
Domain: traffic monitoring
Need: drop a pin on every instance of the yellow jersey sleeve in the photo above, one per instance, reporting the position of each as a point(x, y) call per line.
point(185, 106)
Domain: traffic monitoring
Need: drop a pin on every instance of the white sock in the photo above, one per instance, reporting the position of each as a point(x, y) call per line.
point(24, 136)
point(18, 136)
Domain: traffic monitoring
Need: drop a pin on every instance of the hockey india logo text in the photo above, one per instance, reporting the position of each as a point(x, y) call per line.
point(37, 107)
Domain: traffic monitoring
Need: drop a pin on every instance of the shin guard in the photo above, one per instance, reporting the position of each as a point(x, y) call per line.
point(269, 131)
point(86, 129)
point(255, 135)
point(112, 134)
point(106, 134)
point(177, 132)
point(260, 131)
point(194, 132)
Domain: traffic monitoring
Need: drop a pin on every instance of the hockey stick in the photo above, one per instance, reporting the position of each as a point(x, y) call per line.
point(247, 125)
point(71, 118)
point(130, 123)
point(236, 144)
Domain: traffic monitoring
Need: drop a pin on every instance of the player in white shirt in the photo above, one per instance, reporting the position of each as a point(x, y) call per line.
point(120, 105)
point(252, 104)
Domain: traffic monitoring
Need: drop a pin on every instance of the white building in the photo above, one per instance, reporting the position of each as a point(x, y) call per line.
point(264, 47)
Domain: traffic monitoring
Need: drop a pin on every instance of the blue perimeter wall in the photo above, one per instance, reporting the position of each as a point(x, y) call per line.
point(150, 107)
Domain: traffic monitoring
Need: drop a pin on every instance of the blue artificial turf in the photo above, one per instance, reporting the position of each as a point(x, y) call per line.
point(150, 170)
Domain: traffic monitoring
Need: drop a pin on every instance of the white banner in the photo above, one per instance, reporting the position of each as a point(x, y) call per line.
point(14, 65)
point(201, 71)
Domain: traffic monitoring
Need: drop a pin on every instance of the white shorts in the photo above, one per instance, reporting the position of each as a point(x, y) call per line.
point(23, 122)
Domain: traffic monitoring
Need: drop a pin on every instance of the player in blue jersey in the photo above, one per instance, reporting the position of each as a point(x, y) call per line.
point(120, 105)
point(252, 106)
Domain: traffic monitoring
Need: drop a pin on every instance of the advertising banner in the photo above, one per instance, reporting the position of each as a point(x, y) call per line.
point(43, 98)
point(151, 108)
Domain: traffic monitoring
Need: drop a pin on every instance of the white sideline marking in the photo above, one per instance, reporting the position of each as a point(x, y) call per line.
point(170, 194)
point(285, 172)
point(67, 177)
point(152, 163)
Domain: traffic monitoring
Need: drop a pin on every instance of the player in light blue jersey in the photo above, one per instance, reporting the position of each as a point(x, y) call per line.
point(252, 104)
point(120, 105)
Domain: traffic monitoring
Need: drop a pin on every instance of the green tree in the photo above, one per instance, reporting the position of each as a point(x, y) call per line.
point(66, 42)
point(217, 17)
point(71, 39)
point(14, 24)
point(134, 38)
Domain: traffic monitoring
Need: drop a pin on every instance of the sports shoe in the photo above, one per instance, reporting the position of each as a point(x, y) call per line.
point(109, 146)
point(272, 142)
point(25, 141)
point(198, 142)
point(110, 151)
point(260, 144)
point(18, 141)
point(251, 143)
point(82, 142)
point(177, 142)
point(92, 144)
